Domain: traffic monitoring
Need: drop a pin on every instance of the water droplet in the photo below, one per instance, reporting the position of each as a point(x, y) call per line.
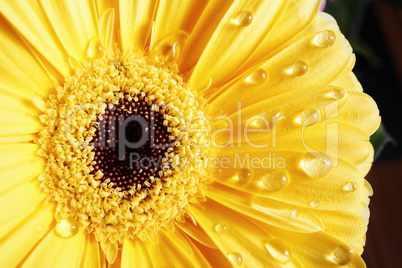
point(308, 117)
point(169, 47)
point(337, 94)
point(275, 180)
point(293, 214)
point(342, 255)
point(94, 48)
point(278, 250)
point(350, 187)
point(67, 228)
point(244, 19)
point(38, 228)
point(315, 203)
point(244, 175)
point(235, 258)
point(258, 77)
point(220, 228)
point(298, 69)
point(316, 165)
point(324, 38)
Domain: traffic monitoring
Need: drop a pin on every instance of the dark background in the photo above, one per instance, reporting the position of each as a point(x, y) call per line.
point(374, 29)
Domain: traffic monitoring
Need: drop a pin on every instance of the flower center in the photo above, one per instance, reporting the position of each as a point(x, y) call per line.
point(125, 147)
point(130, 145)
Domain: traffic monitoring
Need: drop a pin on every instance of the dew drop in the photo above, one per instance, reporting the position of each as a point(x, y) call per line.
point(293, 214)
point(244, 175)
point(274, 181)
point(337, 94)
point(324, 39)
point(38, 228)
point(315, 203)
point(317, 165)
point(298, 69)
point(278, 251)
point(244, 19)
point(350, 187)
point(235, 258)
point(67, 228)
point(220, 228)
point(308, 117)
point(342, 255)
point(169, 47)
point(258, 77)
point(94, 48)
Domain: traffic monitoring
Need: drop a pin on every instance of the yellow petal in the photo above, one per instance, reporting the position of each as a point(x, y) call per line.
point(274, 213)
point(104, 19)
point(299, 65)
point(106, 27)
point(245, 25)
point(17, 65)
point(18, 204)
point(319, 249)
point(176, 15)
point(18, 138)
point(354, 221)
point(298, 15)
point(362, 112)
point(282, 175)
point(135, 22)
point(19, 163)
point(17, 124)
point(213, 255)
point(12, 102)
point(349, 82)
point(239, 239)
point(21, 240)
point(66, 251)
point(196, 232)
point(135, 254)
point(172, 248)
point(90, 256)
point(75, 23)
point(30, 20)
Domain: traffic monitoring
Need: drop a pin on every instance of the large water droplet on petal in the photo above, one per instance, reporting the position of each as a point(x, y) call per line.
point(94, 48)
point(245, 18)
point(350, 187)
point(220, 228)
point(235, 258)
point(275, 180)
point(278, 251)
point(67, 228)
point(244, 175)
point(169, 47)
point(342, 255)
point(298, 69)
point(316, 165)
point(258, 77)
point(324, 39)
point(337, 94)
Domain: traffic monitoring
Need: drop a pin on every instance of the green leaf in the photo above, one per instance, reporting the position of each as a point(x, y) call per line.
point(379, 139)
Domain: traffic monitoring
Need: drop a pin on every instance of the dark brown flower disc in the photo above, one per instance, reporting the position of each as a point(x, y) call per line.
point(130, 144)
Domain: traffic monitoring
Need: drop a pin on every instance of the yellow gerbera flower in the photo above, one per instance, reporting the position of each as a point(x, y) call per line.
point(179, 133)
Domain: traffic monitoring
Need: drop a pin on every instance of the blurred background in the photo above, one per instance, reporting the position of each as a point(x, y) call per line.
point(374, 29)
